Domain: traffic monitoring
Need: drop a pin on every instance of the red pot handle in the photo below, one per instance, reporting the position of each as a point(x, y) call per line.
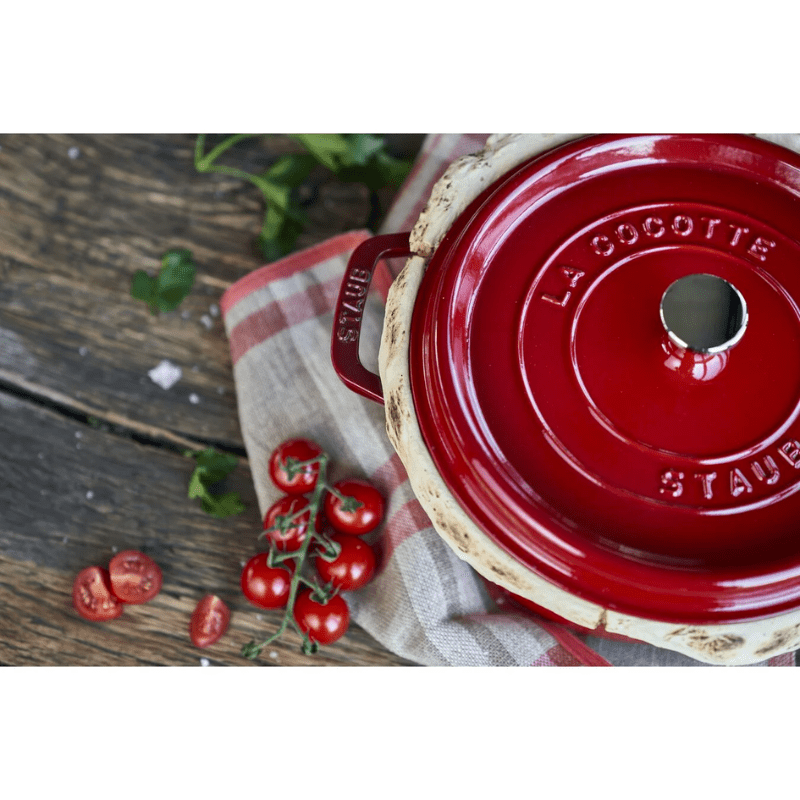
point(349, 307)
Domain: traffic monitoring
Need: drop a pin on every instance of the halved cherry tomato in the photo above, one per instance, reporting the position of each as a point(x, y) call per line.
point(365, 518)
point(92, 595)
point(324, 623)
point(303, 481)
point(352, 568)
point(135, 577)
point(294, 535)
point(209, 622)
point(263, 585)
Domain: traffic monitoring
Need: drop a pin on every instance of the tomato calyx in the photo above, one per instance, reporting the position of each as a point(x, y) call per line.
point(294, 466)
point(288, 520)
point(353, 566)
point(328, 549)
point(354, 507)
point(347, 503)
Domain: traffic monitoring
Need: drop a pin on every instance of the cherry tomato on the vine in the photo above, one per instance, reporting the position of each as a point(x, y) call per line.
point(135, 577)
point(209, 621)
point(324, 623)
point(302, 481)
point(294, 535)
point(263, 585)
point(92, 595)
point(352, 569)
point(365, 518)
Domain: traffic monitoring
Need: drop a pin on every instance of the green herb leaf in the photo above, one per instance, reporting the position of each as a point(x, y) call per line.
point(291, 170)
point(357, 158)
point(327, 148)
point(214, 465)
point(143, 286)
point(176, 278)
point(223, 505)
point(210, 468)
point(174, 281)
point(380, 170)
point(354, 157)
point(361, 147)
point(279, 233)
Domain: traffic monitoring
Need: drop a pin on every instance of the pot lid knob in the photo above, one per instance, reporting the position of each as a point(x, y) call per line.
point(703, 313)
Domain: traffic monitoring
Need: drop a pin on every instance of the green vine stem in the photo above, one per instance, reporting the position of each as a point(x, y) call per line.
point(204, 162)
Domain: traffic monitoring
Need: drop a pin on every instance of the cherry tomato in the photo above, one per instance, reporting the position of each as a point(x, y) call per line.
point(293, 537)
point(135, 577)
point(302, 450)
point(352, 568)
point(324, 624)
point(363, 519)
point(92, 595)
point(209, 622)
point(263, 585)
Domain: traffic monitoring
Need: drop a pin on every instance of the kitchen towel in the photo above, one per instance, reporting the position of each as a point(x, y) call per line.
point(424, 603)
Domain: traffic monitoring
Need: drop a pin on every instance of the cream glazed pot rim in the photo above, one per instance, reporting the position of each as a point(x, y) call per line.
point(737, 643)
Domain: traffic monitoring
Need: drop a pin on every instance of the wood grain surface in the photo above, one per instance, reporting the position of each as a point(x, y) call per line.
point(91, 448)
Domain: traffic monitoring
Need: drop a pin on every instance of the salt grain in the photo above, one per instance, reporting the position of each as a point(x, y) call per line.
point(208, 323)
point(195, 368)
point(220, 390)
point(73, 153)
point(166, 374)
point(194, 399)
point(204, 662)
point(83, 351)
point(78, 434)
point(213, 309)
point(185, 315)
point(273, 654)
point(65, 540)
point(89, 494)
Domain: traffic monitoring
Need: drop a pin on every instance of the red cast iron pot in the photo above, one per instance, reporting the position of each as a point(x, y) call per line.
point(593, 380)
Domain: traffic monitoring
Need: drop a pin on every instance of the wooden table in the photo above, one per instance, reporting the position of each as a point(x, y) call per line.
point(90, 448)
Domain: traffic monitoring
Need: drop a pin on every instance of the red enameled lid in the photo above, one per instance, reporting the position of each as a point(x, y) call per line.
point(605, 364)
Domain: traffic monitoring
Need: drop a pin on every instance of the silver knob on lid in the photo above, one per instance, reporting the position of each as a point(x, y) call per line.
point(703, 313)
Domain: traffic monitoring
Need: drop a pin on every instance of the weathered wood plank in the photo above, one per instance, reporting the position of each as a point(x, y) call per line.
point(73, 230)
point(70, 496)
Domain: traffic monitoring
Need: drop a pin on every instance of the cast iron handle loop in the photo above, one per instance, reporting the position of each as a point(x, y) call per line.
point(349, 307)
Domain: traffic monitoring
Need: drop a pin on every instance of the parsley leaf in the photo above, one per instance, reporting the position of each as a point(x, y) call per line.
point(166, 291)
point(353, 157)
point(357, 158)
point(327, 148)
point(211, 467)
